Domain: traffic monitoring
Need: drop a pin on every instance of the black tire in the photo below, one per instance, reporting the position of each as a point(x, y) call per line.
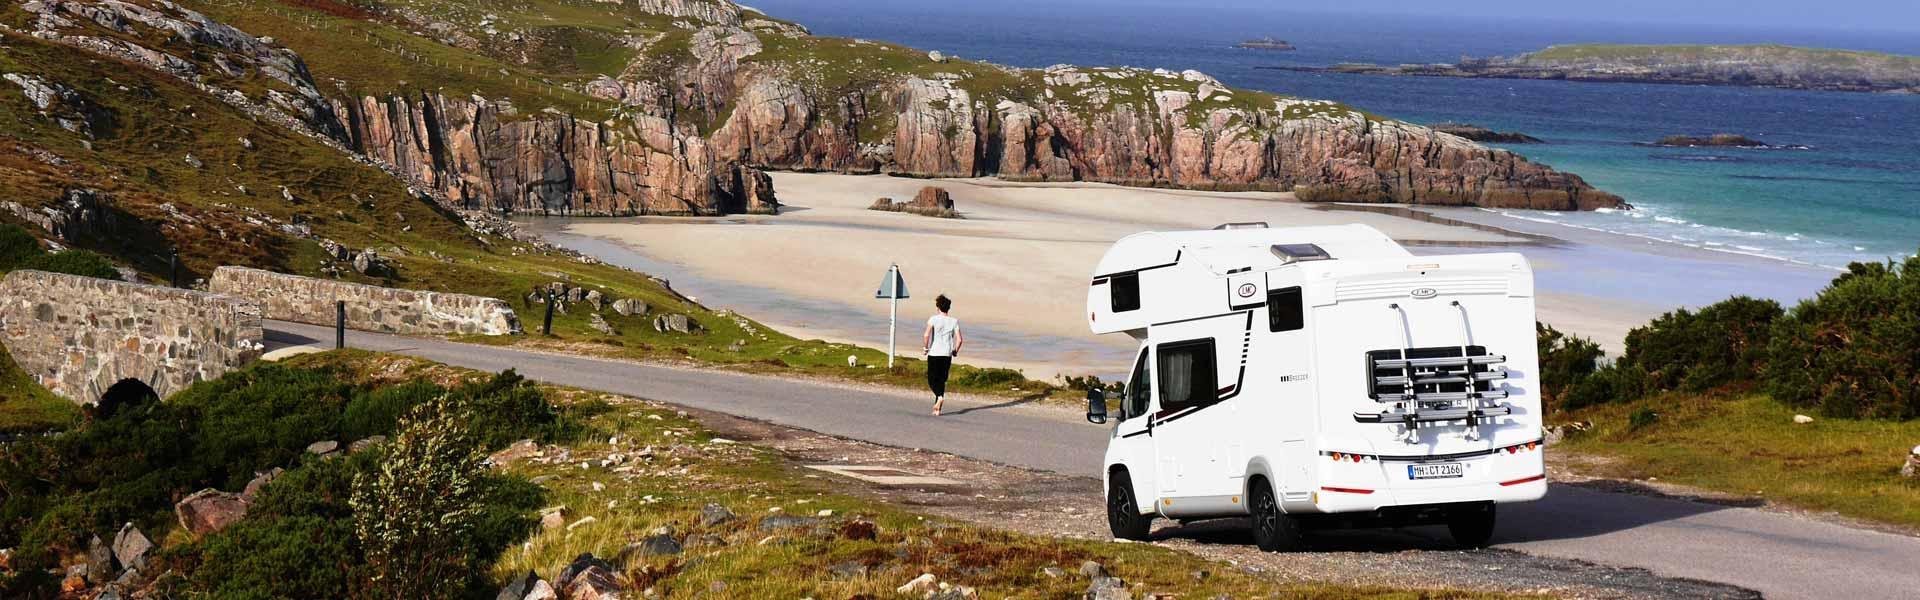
point(1123, 512)
point(1471, 527)
point(1273, 531)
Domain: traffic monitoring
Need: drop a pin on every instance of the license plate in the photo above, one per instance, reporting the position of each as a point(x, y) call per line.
point(1436, 471)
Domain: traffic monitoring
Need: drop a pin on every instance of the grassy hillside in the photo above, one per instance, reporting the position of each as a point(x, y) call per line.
point(1575, 53)
point(231, 210)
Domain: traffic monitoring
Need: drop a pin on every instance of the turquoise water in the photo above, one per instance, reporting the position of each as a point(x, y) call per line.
point(1854, 194)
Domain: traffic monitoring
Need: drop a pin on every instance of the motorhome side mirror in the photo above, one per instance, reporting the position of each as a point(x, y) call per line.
point(1096, 406)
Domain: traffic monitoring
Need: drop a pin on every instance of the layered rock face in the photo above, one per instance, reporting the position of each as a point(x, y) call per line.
point(480, 155)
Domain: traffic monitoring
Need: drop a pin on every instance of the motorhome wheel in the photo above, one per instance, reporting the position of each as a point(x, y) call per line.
point(1273, 531)
point(1123, 513)
point(1471, 527)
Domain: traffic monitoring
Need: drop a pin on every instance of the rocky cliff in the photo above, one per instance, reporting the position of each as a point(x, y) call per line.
point(712, 93)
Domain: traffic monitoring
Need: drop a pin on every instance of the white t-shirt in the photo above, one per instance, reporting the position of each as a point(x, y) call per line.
point(944, 329)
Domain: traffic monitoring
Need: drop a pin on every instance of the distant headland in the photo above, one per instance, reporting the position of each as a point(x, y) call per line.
point(1762, 65)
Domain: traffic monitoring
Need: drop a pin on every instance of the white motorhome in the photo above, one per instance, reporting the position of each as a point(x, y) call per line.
point(1316, 377)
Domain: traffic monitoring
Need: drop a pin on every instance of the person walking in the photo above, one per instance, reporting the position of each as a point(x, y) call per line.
point(942, 341)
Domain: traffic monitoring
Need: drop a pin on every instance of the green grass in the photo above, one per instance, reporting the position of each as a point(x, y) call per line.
point(689, 469)
point(25, 407)
point(1749, 445)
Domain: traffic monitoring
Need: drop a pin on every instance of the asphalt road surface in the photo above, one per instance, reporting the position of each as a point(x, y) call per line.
point(1780, 555)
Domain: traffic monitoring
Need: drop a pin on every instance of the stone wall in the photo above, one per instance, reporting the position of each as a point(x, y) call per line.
point(369, 308)
point(78, 336)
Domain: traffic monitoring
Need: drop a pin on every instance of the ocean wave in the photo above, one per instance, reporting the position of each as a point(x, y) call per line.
point(1647, 222)
point(1696, 158)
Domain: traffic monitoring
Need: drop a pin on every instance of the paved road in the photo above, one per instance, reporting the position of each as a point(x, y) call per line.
point(1780, 555)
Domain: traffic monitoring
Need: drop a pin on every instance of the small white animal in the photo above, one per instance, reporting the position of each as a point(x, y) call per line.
point(853, 360)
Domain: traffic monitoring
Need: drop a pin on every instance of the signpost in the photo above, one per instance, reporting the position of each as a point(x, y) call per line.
point(893, 288)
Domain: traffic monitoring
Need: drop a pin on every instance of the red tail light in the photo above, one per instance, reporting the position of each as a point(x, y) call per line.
point(1522, 480)
point(1345, 490)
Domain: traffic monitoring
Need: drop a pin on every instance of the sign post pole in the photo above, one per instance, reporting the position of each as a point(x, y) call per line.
point(893, 288)
point(893, 316)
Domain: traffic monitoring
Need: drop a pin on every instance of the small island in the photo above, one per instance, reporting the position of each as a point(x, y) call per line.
point(1720, 140)
point(1265, 43)
point(1482, 134)
point(1757, 65)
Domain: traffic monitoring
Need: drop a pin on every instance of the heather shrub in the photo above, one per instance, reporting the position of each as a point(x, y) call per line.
point(19, 250)
point(1724, 343)
point(1565, 360)
point(1853, 350)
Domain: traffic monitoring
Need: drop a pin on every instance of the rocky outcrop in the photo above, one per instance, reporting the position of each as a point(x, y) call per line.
point(1134, 127)
point(1482, 134)
point(482, 154)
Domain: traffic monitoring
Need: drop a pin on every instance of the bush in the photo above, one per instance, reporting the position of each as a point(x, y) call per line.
point(1854, 349)
point(1564, 361)
point(1642, 417)
point(1725, 343)
point(412, 515)
point(19, 250)
point(74, 262)
point(1614, 383)
point(508, 408)
point(379, 412)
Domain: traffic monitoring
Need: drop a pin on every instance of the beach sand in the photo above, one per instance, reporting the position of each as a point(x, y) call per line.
point(1016, 265)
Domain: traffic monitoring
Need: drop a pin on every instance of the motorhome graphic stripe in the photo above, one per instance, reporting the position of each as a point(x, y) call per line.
point(1176, 261)
point(1225, 393)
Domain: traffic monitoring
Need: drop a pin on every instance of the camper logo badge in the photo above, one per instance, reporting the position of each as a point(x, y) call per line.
point(1424, 293)
point(1247, 290)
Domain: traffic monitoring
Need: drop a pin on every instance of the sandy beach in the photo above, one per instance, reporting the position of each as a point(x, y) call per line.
point(1018, 263)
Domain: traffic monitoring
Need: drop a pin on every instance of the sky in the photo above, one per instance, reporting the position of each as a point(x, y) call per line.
point(1871, 15)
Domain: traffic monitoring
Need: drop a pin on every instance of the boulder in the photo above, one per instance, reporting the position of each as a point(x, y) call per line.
point(627, 307)
point(130, 547)
point(954, 592)
point(777, 522)
point(600, 324)
point(209, 510)
point(923, 584)
point(931, 197)
point(513, 452)
point(260, 480)
point(517, 588)
point(936, 56)
point(541, 591)
point(659, 544)
point(676, 323)
point(588, 578)
point(1092, 570)
point(323, 447)
point(714, 514)
point(368, 442)
point(99, 561)
point(595, 298)
point(368, 263)
point(1108, 588)
point(1911, 470)
point(553, 518)
point(1802, 419)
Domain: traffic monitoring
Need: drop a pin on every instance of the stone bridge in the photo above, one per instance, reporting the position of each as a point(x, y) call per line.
point(81, 336)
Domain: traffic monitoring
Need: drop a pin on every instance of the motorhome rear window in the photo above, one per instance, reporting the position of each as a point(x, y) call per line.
point(1125, 289)
point(1284, 310)
point(1187, 375)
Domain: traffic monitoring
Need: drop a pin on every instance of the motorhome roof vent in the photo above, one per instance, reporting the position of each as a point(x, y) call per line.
point(1293, 253)
point(1245, 225)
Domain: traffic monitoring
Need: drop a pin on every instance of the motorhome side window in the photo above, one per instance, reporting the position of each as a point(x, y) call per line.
point(1284, 310)
point(1187, 375)
point(1138, 388)
point(1126, 291)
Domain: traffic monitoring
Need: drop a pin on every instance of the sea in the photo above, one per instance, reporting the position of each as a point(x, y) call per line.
point(1848, 189)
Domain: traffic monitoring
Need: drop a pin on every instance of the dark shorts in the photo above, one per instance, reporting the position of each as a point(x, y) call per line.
point(937, 368)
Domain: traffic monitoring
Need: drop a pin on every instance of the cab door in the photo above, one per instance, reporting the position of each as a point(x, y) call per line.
point(1133, 437)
